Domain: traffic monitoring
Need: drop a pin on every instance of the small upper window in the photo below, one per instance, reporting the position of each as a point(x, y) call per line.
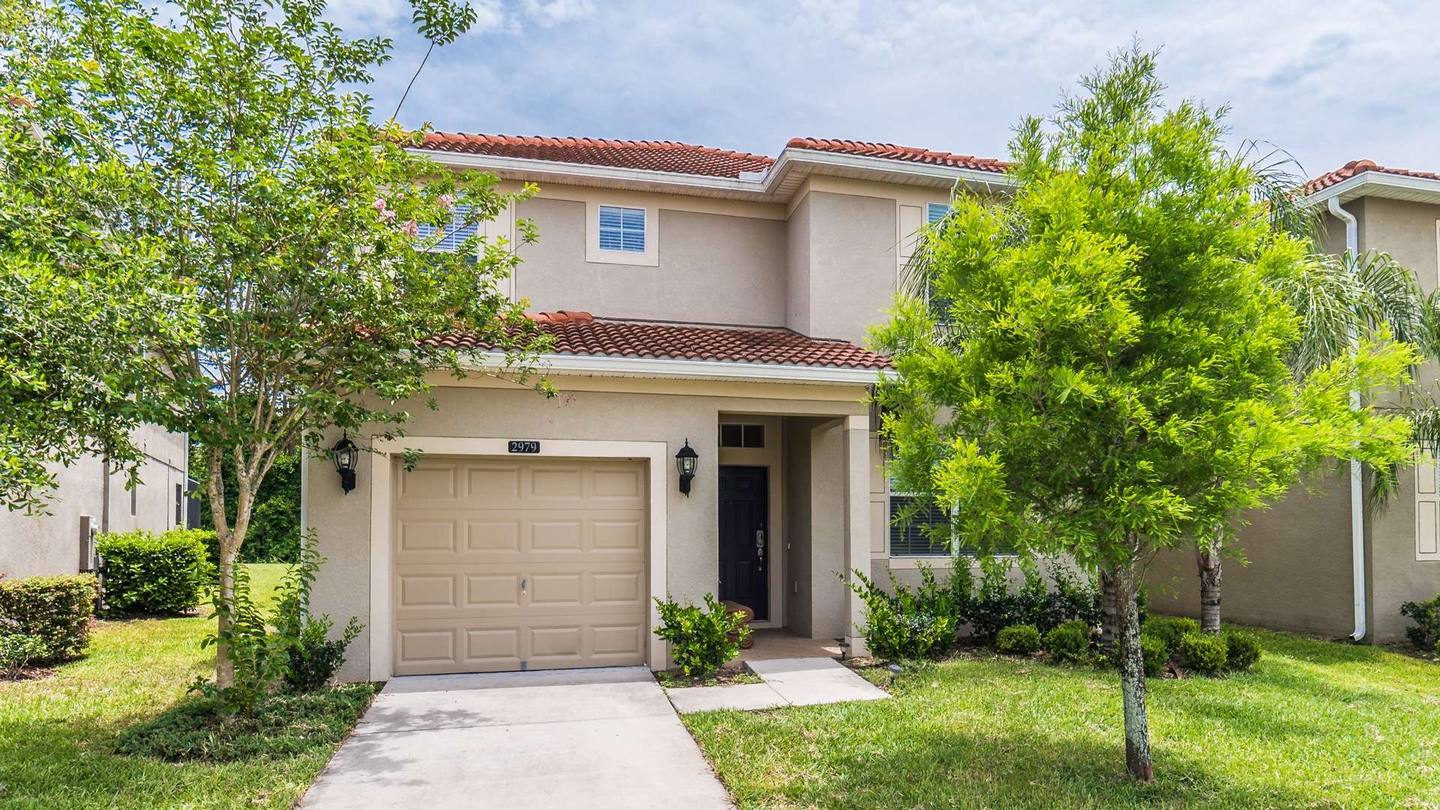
point(622, 229)
point(934, 212)
point(450, 236)
point(742, 435)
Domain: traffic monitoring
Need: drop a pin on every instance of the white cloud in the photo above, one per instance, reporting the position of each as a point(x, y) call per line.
point(555, 12)
point(1330, 81)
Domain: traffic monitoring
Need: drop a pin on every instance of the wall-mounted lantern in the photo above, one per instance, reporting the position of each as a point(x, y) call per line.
point(686, 460)
point(346, 456)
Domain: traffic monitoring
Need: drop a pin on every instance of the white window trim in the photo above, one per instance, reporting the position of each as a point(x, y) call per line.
point(649, 257)
point(1427, 504)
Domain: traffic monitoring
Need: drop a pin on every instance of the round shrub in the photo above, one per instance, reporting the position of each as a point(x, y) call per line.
point(1205, 653)
point(153, 574)
point(1069, 643)
point(701, 639)
point(1170, 628)
point(1018, 639)
point(56, 610)
point(1242, 650)
point(1156, 654)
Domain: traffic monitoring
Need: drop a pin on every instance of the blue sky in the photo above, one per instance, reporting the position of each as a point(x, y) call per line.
point(1328, 81)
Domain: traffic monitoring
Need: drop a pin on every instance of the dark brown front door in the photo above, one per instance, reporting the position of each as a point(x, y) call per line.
point(745, 538)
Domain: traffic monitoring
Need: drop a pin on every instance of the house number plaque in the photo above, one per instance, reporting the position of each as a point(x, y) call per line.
point(524, 446)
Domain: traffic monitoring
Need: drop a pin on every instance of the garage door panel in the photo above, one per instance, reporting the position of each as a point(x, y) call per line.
point(427, 591)
point(509, 564)
point(427, 535)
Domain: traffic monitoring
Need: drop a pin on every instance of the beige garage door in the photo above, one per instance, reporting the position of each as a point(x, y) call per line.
point(506, 564)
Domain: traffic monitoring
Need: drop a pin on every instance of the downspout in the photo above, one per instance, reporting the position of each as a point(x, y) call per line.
point(1357, 495)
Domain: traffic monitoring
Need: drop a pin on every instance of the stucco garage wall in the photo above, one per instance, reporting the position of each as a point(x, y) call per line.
point(342, 522)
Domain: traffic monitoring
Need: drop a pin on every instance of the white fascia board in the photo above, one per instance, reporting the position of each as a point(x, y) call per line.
point(689, 369)
point(1361, 184)
point(888, 166)
point(760, 187)
point(530, 166)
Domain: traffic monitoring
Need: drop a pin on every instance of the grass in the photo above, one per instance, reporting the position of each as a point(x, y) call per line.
point(58, 735)
point(1315, 724)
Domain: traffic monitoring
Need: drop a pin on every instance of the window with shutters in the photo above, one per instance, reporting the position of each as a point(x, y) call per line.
point(934, 212)
point(918, 529)
point(622, 229)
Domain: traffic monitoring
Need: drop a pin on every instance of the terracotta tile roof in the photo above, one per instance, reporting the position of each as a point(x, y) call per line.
point(1355, 167)
point(682, 158)
point(662, 156)
point(910, 154)
point(580, 333)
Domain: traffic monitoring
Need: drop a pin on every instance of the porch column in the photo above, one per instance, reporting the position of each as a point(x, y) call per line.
point(857, 523)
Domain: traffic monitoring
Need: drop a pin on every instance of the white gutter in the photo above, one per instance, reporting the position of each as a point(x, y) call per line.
point(1357, 499)
point(605, 366)
point(1368, 182)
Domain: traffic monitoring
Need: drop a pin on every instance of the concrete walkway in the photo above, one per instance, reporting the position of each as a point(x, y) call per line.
point(784, 682)
point(597, 738)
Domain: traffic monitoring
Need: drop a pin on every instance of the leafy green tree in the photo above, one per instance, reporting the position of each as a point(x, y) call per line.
point(274, 534)
point(301, 232)
point(76, 291)
point(1101, 368)
point(1339, 299)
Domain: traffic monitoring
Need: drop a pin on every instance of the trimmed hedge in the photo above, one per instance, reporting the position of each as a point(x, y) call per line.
point(1018, 639)
point(1069, 643)
point(1242, 650)
point(56, 610)
point(1206, 653)
point(1170, 629)
point(1156, 654)
point(154, 574)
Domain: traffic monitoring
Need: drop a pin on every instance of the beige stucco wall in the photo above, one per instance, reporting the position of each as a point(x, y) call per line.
point(852, 264)
point(1297, 574)
point(593, 409)
point(50, 543)
point(713, 268)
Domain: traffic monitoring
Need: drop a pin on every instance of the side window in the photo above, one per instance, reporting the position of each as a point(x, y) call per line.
point(917, 530)
point(934, 212)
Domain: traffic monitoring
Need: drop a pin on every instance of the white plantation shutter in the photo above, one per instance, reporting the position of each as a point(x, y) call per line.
point(1427, 511)
point(910, 222)
point(453, 234)
point(934, 212)
point(622, 229)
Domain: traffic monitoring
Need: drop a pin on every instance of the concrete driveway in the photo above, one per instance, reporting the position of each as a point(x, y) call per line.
point(596, 738)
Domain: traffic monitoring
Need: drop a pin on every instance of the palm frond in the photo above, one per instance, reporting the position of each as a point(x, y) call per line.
point(1277, 175)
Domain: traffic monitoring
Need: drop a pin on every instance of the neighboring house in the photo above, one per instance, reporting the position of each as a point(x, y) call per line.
point(730, 295)
point(90, 500)
point(1302, 572)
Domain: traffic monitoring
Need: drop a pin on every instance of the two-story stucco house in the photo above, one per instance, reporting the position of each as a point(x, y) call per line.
point(89, 498)
point(1322, 561)
point(699, 297)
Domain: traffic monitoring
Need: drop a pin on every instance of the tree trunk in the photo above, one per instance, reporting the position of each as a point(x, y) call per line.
point(1132, 679)
point(229, 538)
point(1207, 559)
point(225, 584)
point(1109, 611)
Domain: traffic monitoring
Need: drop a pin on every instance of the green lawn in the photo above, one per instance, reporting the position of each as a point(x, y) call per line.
point(1316, 724)
point(57, 735)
